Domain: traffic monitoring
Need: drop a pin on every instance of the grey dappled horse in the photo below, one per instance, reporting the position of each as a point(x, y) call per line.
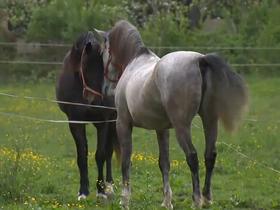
point(165, 93)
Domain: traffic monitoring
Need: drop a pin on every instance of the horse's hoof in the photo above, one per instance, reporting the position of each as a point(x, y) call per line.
point(109, 190)
point(167, 205)
point(197, 205)
point(82, 197)
point(101, 196)
point(125, 197)
point(197, 202)
point(207, 202)
point(124, 205)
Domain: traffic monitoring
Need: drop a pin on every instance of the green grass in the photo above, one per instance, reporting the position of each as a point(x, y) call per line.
point(38, 168)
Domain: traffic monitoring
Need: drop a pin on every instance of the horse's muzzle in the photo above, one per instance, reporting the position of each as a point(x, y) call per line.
point(91, 97)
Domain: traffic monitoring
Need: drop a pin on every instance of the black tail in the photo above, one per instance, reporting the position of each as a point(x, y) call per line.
point(117, 149)
point(227, 87)
point(115, 141)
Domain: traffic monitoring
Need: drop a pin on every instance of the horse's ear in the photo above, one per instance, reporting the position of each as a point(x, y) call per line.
point(88, 47)
point(99, 36)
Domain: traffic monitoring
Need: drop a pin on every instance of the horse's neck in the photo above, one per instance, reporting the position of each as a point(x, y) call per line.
point(142, 58)
point(143, 64)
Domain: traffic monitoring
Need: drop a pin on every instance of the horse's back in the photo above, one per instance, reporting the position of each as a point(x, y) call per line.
point(137, 96)
point(173, 83)
point(178, 70)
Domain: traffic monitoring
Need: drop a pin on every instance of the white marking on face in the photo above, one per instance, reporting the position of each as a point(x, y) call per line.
point(108, 87)
point(105, 51)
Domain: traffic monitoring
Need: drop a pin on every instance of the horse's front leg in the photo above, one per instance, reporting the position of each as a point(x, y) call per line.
point(109, 153)
point(164, 165)
point(100, 157)
point(78, 132)
point(124, 130)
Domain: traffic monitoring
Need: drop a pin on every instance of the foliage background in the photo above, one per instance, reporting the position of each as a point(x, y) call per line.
point(187, 24)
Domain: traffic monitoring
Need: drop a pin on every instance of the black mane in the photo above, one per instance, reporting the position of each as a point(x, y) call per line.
point(79, 44)
point(142, 51)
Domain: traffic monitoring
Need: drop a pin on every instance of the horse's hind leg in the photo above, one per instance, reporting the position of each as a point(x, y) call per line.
point(210, 125)
point(78, 132)
point(181, 113)
point(183, 135)
point(164, 165)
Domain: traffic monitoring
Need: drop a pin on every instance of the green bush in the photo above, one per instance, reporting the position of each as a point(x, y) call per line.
point(20, 11)
point(270, 37)
point(175, 32)
point(62, 21)
point(161, 23)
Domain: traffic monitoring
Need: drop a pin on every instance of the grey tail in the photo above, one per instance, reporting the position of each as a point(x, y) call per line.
point(226, 87)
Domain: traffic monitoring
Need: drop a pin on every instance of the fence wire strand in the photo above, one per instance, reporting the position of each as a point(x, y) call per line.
point(60, 63)
point(233, 148)
point(38, 44)
point(99, 106)
point(9, 114)
point(56, 101)
point(30, 62)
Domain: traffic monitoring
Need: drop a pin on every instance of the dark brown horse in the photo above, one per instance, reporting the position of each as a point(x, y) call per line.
point(85, 57)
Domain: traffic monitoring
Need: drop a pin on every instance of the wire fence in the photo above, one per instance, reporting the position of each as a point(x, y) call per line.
point(92, 106)
point(35, 44)
point(30, 62)
point(16, 61)
point(238, 152)
point(60, 63)
point(36, 119)
point(67, 45)
point(9, 114)
point(56, 101)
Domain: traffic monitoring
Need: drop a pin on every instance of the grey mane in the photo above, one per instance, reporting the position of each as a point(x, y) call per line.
point(126, 42)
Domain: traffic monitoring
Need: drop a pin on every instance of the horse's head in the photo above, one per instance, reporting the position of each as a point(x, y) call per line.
point(92, 71)
point(111, 72)
point(119, 47)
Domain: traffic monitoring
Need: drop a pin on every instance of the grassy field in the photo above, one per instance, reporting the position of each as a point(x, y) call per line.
point(38, 168)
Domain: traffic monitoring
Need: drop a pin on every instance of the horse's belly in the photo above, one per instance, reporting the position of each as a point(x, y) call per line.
point(144, 101)
point(150, 119)
point(147, 111)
